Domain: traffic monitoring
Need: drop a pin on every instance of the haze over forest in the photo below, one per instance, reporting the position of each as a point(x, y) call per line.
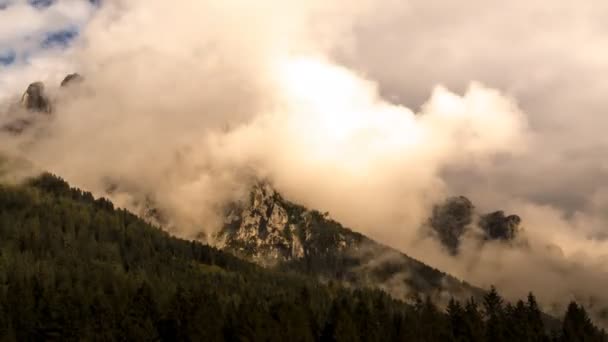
point(375, 112)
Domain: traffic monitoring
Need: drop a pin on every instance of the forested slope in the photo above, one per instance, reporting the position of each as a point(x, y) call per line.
point(75, 268)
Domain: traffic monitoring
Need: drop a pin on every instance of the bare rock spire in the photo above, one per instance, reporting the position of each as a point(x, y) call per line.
point(34, 99)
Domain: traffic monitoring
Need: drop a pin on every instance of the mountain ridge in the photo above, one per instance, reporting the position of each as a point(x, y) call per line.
point(281, 235)
point(76, 267)
point(272, 231)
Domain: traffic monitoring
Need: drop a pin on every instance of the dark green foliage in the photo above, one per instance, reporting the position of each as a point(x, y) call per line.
point(578, 326)
point(475, 327)
point(459, 327)
point(495, 316)
point(324, 258)
point(74, 268)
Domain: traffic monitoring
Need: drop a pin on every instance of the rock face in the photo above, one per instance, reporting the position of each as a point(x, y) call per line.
point(71, 79)
point(498, 226)
point(450, 219)
point(34, 99)
point(274, 232)
point(269, 229)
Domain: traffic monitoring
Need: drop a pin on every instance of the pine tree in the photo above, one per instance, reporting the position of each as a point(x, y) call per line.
point(535, 320)
point(141, 316)
point(494, 314)
point(458, 326)
point(577, 326)
point(74, 268)
point(474, 322)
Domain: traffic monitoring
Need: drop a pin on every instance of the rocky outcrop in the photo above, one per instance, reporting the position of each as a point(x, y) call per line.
point(498, 226)
point(20, 117)
point(269, 229)
point(35, 100)
point(71, 79)
point(274, 232)
point(450, 219)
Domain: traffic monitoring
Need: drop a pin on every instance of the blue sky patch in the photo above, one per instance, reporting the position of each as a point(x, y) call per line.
point(59, 39)
point(7, 57)
point(41, 3)
point(25, 45)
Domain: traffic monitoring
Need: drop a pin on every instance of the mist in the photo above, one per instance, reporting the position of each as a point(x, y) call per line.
point(373, 111)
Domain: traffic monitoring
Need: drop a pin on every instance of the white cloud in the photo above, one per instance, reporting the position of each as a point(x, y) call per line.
point(23, 28)
point(21, 20)
point(162, 77)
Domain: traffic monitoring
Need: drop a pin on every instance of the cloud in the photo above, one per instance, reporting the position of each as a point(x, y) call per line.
point(7, 57)
point(20, 21)
point(366, 109)
point(60, 38)
point(158, 89)
point(546, 55)
point(30, 35)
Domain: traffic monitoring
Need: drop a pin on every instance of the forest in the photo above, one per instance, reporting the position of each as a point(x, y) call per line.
point(75, 268)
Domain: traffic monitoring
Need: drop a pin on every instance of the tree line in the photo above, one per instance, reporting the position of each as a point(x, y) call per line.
point(74, 268)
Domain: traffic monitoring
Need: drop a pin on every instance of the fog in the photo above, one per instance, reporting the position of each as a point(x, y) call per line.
point(373, 111)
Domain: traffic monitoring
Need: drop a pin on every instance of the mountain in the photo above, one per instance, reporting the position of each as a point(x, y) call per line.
point(455, 217)
point(271, 231)
point(73, 267)
point(35, 103)
point(33, 106)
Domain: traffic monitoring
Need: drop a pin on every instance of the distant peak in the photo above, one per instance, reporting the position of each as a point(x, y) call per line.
point(452, 218)
point(71, 79)
point(34, 99)
point(498, 226)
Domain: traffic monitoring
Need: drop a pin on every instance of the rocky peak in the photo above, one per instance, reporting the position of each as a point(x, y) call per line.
point(19, 116)
point(261, 228)
point(71, 79)
point(34, 99)
point(272, 231)
point(269, 229)
point(451, 219)
point(498, 226)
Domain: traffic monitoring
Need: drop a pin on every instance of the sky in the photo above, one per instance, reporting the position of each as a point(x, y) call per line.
point(371, 110)
point(34, 33)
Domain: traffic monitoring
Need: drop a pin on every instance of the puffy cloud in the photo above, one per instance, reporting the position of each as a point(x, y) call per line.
point(30, 35)
point(20, 21)
point(365, 109)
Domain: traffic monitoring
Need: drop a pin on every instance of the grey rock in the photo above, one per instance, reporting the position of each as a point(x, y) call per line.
point(450, 219)
point(34, 99)
point(498, 226)
point(71, 79)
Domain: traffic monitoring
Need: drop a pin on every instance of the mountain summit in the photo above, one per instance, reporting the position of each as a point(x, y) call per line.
point(271, 231)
